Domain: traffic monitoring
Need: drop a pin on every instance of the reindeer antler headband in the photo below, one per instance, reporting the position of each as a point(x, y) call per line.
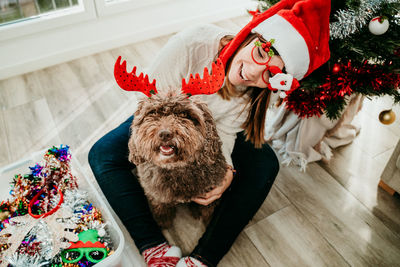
point(209, 84)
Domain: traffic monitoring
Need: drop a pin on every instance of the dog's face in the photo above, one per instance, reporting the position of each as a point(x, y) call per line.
point(168, 131)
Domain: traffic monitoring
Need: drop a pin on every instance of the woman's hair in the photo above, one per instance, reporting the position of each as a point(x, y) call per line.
point(258, 97)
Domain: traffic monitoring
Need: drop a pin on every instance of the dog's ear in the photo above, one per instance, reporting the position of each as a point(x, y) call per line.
point(134, 156)
point(214, 144)
point(138, 115)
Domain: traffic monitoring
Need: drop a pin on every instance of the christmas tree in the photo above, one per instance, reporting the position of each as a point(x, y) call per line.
point(365, 58)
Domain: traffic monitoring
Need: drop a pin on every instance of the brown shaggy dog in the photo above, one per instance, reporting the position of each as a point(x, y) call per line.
point(177, 151)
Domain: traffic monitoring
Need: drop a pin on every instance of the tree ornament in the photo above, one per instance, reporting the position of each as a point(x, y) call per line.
point(378, 25)
point(387, 117)
point(336, 68)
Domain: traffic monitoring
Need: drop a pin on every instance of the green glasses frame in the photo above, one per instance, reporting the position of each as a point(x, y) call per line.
point(83, 252)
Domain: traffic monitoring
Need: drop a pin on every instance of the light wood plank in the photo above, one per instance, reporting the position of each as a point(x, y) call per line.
point(273, 203)
point(63, 89)
point(92, 70)
point(359, 173)
point(359, 236)
point(243, 253)
point(121, 114)
point(139, 54)
point(20, 90)
point(377, 105)
point(384, 157)
point(286, 238)
point(92, 117)
point(374, 137)
point(26, 125)
point(4, 150)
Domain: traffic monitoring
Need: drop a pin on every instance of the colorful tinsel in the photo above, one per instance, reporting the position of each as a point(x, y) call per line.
point(45, 184)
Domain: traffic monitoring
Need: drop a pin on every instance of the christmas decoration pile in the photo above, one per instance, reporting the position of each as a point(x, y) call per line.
point(365, 58)
point(49, 221)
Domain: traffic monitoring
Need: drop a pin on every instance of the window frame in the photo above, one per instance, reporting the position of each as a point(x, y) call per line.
point(84, 11)
point(106, 9)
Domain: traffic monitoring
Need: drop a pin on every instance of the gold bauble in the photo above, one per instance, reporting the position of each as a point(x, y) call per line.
point(387, 116)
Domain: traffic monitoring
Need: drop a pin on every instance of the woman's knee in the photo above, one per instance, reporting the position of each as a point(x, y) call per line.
point(258, 174)
point(112, 147)
point(94, 156)
point(268, 170)
point(271, 159)
point(103, 155)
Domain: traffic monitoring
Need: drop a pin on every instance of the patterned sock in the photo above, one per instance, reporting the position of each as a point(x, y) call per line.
point(190, 262)
point(162, 255)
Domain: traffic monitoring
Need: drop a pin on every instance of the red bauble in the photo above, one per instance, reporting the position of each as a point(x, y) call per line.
point(336, 68)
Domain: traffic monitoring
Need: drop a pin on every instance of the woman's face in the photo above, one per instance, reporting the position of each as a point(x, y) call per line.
point(244, 71)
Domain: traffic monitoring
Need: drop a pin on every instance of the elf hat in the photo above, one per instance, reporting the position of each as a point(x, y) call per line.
point(301, 32)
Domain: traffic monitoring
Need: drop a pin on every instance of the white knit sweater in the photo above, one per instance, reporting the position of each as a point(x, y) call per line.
point(188, 52)
point(297, 140)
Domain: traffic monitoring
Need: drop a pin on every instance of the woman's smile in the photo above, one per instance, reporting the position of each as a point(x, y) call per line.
point(242, 74)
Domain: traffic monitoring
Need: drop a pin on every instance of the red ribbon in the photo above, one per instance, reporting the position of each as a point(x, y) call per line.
point(37, 216)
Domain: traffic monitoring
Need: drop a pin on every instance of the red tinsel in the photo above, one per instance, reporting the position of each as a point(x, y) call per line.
point(343, 81)
point(306, 103)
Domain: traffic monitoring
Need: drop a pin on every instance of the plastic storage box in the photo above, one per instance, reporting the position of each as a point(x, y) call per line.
point(22, 167)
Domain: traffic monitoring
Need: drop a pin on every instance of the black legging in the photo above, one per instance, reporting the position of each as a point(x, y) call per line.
point(256, 172)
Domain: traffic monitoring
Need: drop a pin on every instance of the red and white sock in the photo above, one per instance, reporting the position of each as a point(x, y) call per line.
point(162, 255)
point(190, 262)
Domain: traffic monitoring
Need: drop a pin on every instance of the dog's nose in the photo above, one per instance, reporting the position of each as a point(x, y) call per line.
point(165, 135)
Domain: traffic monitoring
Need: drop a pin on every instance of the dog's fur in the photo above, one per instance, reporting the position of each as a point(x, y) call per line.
point(196, 165)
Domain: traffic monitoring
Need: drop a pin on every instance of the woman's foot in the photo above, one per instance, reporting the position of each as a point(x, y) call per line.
point(162, 255)
point(190, 262)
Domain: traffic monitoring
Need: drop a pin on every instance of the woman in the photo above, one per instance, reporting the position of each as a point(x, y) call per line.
point(255, 61)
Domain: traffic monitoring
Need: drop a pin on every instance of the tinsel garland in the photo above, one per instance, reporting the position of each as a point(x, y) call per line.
point(350, 21)
point(344, 80)
point(40, 238)
point(306, 103)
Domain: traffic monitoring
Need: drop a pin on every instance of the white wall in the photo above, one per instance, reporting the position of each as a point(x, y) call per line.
point(32, 47)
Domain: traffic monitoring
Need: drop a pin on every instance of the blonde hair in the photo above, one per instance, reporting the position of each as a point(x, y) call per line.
point(258, 98)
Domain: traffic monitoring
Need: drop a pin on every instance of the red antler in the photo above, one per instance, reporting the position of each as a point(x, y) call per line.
point(131, 82)
point(210, 84)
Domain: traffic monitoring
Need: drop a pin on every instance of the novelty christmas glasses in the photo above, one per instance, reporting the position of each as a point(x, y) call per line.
point(273, 76)
point(261, 54)
point(93, 255)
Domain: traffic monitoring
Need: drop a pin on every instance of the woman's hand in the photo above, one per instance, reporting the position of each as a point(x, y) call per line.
point(217, 192)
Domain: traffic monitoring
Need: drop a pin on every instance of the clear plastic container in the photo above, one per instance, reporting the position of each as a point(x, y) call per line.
point(22, 167)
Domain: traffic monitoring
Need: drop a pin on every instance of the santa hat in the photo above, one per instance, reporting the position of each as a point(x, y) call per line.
point(301, 32)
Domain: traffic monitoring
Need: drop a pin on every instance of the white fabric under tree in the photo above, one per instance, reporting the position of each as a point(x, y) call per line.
point(301, 141)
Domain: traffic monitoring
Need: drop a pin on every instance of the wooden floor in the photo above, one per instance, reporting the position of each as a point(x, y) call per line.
point(332, 215)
